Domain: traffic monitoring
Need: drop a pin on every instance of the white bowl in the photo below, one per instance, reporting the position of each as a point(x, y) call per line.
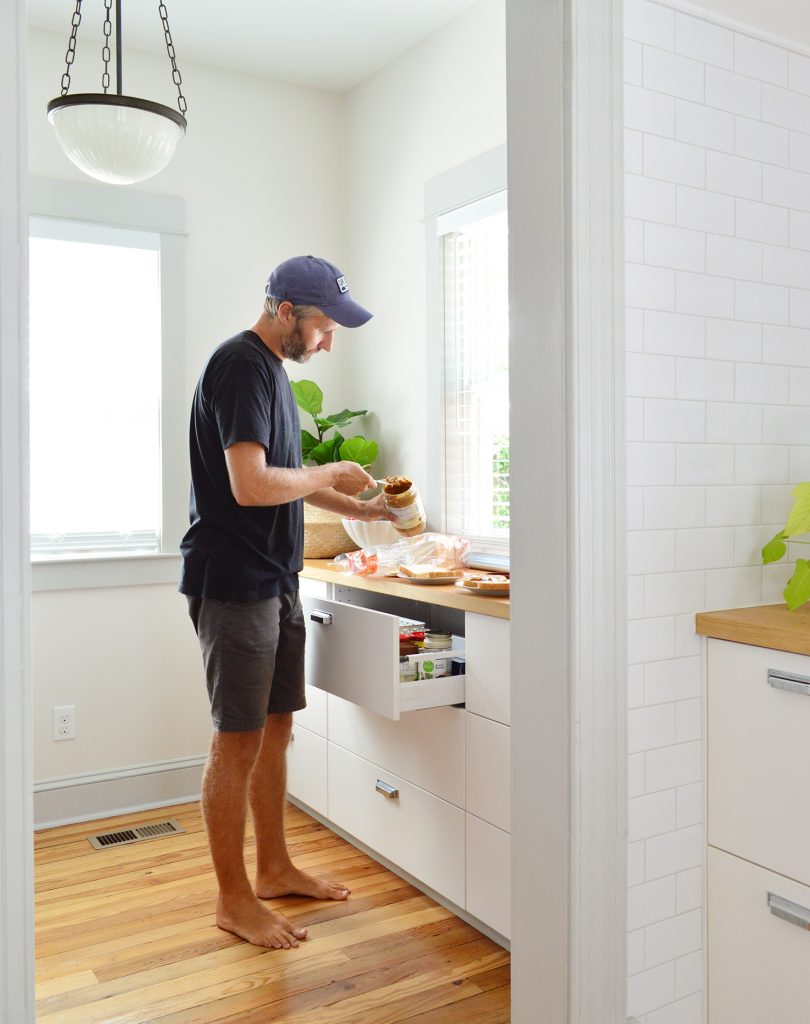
point(370, 535)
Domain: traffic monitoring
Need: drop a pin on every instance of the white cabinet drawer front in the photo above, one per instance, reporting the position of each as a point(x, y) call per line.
point(759, 758)
point(314, 715)
point(306, 768)
point(353, 652)
point(312, 588)
point(425, 748)
point(487, 670)
point(421, 833)
point(759, 963)
point(489, 874)
point(488, 770)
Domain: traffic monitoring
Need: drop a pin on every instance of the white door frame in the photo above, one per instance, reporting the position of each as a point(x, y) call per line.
point(564, 144)
point(569, 607)
point(16, 789)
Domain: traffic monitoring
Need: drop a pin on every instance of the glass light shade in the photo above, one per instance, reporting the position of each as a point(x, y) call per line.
point(116, 139)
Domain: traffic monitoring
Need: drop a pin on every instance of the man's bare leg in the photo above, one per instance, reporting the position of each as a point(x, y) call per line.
point(224, 805)
point(276, 875)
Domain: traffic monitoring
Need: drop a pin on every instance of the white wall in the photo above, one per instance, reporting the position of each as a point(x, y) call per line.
point(258, 188)
point(441, 103)
point(267, 170)
point(718, 316)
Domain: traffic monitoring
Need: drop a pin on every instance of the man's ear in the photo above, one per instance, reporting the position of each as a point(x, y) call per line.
point(285, 312)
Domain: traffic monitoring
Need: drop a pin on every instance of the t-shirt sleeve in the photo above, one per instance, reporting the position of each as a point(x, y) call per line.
point(242, 398)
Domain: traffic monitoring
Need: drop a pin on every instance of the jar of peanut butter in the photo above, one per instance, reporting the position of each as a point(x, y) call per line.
point(402, 500)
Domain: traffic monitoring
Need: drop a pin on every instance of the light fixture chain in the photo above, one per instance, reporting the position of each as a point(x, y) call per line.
point(105, 52)
point(176, 76)
point(70, 56)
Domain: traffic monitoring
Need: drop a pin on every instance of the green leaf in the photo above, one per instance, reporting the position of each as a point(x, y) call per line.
point(342, 419)
point(337, 441)
point(308, 395)
point(358, 449)
point(798, 589)
point(308, 442)
point(799, 518)
point(774, 549)
point(322, 424)
point(324, 452)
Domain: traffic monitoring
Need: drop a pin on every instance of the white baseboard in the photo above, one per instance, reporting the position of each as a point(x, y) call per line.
point(92, 795)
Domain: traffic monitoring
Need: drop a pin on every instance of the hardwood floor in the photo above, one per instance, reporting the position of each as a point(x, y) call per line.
point(127, 936)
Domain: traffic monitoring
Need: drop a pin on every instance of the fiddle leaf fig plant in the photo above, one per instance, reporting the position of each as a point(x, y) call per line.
point(316, 449)
point(797, 591)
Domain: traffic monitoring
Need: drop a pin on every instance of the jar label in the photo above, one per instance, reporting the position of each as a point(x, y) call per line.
point(407, 517)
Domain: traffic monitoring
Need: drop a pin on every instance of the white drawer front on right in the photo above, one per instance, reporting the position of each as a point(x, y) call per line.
point(488, 770)
point(759, 945)
point(489, 874)
point(487, 671)
point(759, 757)
point(415, 830)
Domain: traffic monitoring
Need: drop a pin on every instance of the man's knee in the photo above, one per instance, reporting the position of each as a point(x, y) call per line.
point(237, 749)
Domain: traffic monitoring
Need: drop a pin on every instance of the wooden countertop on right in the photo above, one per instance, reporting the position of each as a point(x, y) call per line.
point(768, 625)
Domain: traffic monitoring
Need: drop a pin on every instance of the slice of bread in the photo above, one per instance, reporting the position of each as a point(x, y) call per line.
point(429, 572)
point(499, 584)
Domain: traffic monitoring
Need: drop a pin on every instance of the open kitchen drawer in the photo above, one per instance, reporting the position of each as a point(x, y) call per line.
point(353, 652)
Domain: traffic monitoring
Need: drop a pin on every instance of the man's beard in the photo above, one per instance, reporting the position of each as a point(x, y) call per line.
point(294, 347)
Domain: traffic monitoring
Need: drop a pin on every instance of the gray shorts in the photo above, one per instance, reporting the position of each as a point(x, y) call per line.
point(253, 652)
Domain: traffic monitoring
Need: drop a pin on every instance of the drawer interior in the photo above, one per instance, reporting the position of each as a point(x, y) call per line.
point(434, 616)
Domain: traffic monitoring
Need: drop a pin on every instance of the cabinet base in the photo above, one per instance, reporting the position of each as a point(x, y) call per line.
point(415, 882)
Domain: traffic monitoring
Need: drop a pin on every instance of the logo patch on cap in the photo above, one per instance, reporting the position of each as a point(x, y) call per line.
point(341, 283)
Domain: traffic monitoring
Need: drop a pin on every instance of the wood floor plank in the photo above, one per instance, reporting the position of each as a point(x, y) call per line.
point(128, 936)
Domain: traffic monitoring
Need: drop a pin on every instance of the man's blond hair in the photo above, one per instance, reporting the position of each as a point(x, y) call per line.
point(300, 312)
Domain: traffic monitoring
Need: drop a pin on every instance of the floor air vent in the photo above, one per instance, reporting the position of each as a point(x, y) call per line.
point(139, 834)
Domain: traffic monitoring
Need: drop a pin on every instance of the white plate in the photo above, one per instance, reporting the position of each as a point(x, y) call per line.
point(485, 593)
point(442, 580)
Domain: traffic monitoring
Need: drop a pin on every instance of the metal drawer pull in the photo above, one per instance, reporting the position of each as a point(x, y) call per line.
point(789, 681)
point(794, 913)
point(324, 618)
point(386, 790)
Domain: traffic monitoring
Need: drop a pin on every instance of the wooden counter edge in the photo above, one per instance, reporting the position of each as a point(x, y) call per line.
point(773, 626)
point(444, 596)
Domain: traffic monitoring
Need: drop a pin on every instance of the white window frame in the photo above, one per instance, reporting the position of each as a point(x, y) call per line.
point(470, 182)
point(164, 216)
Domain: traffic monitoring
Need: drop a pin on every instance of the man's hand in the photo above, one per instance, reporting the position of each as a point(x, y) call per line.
point(350, 478)
point(372, 510)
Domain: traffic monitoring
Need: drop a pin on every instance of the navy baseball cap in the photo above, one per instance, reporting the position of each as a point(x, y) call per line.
point(309, 281)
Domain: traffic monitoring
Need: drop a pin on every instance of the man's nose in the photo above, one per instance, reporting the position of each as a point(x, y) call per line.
point(326, 343)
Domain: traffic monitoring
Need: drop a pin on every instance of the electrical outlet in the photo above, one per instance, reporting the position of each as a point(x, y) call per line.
point(64, 722)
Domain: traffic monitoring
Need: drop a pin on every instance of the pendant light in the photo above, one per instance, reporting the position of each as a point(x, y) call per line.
point(112, 137)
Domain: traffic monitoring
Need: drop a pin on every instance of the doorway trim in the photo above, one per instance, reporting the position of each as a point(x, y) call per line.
point(569, 609)
point(16, 788)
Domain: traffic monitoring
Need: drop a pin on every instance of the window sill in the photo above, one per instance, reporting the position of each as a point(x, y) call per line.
point(85, 571)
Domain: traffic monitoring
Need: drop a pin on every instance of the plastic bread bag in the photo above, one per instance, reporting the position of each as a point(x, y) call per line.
point(442, 550)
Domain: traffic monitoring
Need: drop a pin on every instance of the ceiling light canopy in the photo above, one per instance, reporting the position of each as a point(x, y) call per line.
point(109, 136)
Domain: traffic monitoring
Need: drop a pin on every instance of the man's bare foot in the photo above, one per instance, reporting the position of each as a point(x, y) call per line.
point(292, 882)
point(254, 923)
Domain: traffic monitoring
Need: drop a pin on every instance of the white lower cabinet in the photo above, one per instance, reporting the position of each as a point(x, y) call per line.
point(307, 768)
point(489, 874)
point(416, 830)
point(759, 944)
point(314, 715)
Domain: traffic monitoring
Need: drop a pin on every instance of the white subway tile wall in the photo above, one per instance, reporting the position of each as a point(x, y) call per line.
point(717, 155)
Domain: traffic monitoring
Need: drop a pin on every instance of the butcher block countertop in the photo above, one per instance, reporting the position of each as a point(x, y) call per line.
point(769, 625)
point(449, 596)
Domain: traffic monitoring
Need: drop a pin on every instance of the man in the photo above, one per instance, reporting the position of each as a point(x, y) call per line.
point(241, 557)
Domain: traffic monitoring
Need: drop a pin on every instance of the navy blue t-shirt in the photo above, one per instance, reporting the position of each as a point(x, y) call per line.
point(233, 552)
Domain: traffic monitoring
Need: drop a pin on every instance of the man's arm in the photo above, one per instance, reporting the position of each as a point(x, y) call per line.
point(332, 501)
point(254, 483)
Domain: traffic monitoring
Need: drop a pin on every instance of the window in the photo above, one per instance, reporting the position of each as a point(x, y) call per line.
point(108, 420)
point(95, 382)
point(476, 345)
